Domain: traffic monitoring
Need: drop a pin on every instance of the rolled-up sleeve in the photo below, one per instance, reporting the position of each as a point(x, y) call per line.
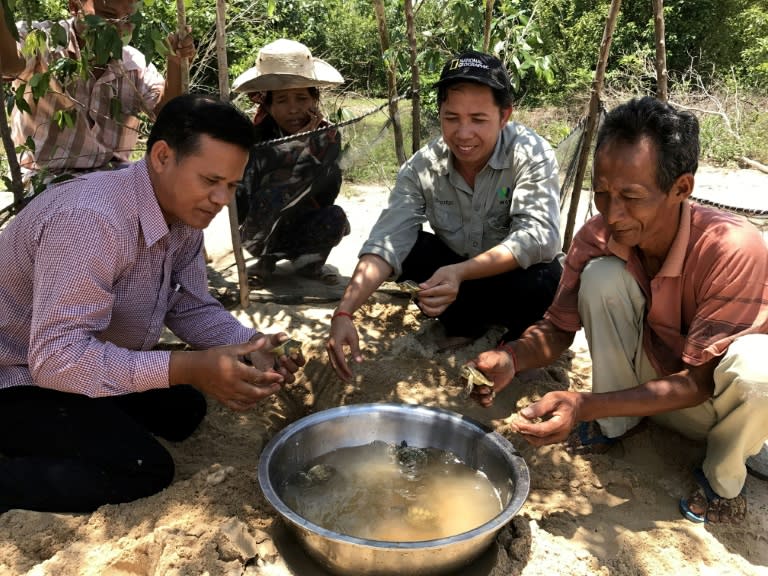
point(396, 230)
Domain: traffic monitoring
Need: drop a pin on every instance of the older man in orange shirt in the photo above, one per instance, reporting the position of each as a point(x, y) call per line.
point(673, 298)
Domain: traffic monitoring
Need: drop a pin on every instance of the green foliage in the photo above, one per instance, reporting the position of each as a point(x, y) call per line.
point(718, 145)
point(715, 36)
point(753, 23)
point(457, 25)
point(550, 48)
point(722, 146)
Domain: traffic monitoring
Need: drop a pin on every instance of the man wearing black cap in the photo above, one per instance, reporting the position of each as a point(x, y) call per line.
point(489, 190)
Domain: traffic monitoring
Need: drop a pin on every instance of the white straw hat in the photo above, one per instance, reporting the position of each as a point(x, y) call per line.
point(285, 64)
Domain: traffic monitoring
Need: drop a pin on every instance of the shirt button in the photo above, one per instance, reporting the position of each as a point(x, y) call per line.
point(474, 244)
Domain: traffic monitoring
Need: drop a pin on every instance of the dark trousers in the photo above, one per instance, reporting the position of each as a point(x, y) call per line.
point(515, 299)
point(64, 452)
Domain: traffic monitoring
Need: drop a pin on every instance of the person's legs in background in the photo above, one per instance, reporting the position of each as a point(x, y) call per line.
point(308, 238)
point(514, 299)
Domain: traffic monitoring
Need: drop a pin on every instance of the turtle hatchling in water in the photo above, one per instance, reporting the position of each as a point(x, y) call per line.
point(409, 458)
point(419, 516)
point(317, 474)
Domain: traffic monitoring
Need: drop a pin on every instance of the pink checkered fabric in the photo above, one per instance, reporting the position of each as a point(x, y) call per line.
point(91, 273)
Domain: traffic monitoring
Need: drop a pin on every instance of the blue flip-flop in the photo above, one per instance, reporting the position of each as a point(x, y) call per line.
point(709, 494)
point(588, 438)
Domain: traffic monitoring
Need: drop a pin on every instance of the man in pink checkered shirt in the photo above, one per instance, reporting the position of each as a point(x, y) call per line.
point(90, 273)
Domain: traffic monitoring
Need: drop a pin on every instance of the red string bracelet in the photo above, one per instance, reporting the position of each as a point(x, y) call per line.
point(511, 351)
point(342, 313)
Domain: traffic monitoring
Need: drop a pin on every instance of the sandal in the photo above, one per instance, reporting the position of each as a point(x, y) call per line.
point(757, 465)
point(261, 272)
point(588, 438)
point(319, 271)
point(705, 506)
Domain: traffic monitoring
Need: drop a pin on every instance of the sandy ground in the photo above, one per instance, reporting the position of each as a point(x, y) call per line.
point(613, 514)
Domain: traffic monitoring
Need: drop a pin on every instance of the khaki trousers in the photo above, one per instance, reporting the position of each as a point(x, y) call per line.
point(734, 422)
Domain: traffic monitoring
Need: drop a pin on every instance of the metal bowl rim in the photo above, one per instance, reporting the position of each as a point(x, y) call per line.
point(492, 525)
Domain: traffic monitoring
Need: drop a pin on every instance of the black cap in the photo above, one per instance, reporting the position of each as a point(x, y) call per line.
point(477, 67)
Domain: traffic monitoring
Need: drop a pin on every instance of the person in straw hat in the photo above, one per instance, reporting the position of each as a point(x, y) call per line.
point(286, 202)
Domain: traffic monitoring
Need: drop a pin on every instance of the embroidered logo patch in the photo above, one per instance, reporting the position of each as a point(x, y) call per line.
point(504, 193)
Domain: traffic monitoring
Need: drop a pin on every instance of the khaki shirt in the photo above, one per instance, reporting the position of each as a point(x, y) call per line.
point(514, 203)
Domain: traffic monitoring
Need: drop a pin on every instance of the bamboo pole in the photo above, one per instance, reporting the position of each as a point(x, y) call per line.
point(394, 114)
point(234, 226)
point(589, 130)
point(661, 51)
point(415, 82)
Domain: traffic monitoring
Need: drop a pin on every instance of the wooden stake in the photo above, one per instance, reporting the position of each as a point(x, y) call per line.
point(181, 23)
point(661, 51)
point(415, 83)
point(234, 226)
point(589, 130)
point(394, 114)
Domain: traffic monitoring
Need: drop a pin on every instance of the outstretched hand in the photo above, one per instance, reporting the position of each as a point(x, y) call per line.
point(343, 335)
point(239, 375)
point(549, 420)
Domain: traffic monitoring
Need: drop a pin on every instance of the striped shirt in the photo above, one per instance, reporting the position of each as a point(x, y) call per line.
point(89, 274)
point(711, 289)
point(106, 126)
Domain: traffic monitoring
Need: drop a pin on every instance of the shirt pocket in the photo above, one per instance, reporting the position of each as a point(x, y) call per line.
point(446, 219)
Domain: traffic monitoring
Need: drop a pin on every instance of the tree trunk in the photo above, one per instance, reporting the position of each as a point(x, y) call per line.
point(488, 22)
point(589, 130)
point(415, 82)
point(661, 51)
point(394, 114)
point(181, 20)
point(17, 186)
point(234, 226)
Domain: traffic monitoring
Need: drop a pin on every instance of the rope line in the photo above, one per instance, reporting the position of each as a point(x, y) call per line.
point(749, 212)
point(336, 126)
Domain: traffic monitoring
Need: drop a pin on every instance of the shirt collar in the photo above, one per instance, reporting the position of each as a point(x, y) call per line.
point(499, 159)
point(673, 263)
point(153, 224)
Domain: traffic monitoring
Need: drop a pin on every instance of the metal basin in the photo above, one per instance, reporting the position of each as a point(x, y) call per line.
point(348, 426)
